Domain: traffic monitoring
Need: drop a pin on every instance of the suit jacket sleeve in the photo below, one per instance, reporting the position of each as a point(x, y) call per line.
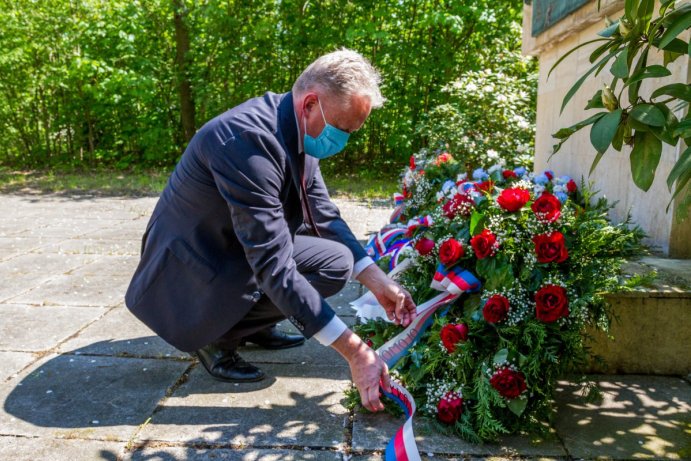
point(328, 218)
point(250, 174)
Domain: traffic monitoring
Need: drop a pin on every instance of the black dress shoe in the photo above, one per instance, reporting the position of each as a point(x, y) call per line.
point(273, 338)
point(227, 365)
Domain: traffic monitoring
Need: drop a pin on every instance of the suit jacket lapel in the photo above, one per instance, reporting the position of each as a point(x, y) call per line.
point(289, 132)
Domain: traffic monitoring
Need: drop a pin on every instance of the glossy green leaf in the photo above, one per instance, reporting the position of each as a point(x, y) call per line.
point(678, 26)
point(566, 132)
point(603, 131)
point(683, 128)
point(683, 165)
point(640, 64)
point(631, 9)
point(517, 405)
point(618, 140)
point(645, 12)
point(644, 159)
point(648, 114)
point(580, 81)
point(654, 71)
point(620, 68)
point(567, 54)
point(596, 101)
point(501, 356)
point(609, 30)
point(676, 90)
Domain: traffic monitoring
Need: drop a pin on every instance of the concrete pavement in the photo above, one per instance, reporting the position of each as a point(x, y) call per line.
point(82, 379)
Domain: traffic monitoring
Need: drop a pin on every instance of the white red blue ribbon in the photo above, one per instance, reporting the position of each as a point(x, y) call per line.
point(424, 222)
point(453, 282)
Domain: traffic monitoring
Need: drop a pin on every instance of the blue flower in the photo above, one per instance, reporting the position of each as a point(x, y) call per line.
point(520, 171)
point(480, 175)
point(447, 186)
point(561, 180)
point(561, 196)
point(541, 179)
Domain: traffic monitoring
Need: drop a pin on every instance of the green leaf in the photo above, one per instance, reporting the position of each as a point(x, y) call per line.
point(596, 160)
point(654, 71)
point(640, 64)
point(475, 219)
point(676, 27)
point(648, 115)
point(676, 90)
point(631, 9)
point(620, 68)
point(517, 406)
point(683, 128)
point(676, 46)
point(501, 356)
point(603, 131)
point(610, 30)
point(618, 140)
point(645, 157)
point(580, 81)
point(645, 12)
point(566, 132)
point(682, 166)
point(574, 49)
point(596, 101)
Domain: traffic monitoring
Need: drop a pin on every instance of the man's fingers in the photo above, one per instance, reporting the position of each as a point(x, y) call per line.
point(373, 399)
point(401, 313)
point(386, 379)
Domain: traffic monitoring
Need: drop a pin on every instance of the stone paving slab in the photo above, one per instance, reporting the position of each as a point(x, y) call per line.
point(90, 246)
point(26, 271)
point(201, 454)
point(78, 397)
point(76, 290)
point(372, 432)
point(12, 362)
point(40, 328)
point(123, 265)
point(33, 449)
point(295, 405)
point(639, 417)
point(119, 333)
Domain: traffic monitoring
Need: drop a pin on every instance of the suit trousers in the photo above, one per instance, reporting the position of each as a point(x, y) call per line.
point(326, 264)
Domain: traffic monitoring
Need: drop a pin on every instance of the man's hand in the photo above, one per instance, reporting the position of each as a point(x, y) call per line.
point(395, 299)
point(367, 369)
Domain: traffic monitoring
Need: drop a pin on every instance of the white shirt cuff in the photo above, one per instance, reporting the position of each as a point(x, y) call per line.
point(361, 265)
point(331, 331)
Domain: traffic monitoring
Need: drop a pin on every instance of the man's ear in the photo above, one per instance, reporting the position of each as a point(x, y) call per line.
point(309, 103)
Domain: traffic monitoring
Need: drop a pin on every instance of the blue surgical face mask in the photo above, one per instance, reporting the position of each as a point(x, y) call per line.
point(329, 142)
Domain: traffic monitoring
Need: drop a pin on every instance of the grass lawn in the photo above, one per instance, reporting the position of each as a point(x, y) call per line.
point(150, 182)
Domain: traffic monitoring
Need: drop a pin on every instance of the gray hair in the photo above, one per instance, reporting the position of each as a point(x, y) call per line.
point(342, 73)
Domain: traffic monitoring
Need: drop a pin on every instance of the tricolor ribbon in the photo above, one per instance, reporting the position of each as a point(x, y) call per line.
point(424, 222)
point(398, 200)
point(379, 243)
point(453, 282)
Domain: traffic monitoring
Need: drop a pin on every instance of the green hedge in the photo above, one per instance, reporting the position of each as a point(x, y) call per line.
point(97, 82)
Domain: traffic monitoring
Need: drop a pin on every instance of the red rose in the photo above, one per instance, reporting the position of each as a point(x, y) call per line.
point(513, 199)
point(550, 247)
point(452, 334)
point(547, 207)
point(509, 383)
point(483, 244)
point(571, 186)
point(443, 158)
point(496, 308)
point(551, 303)
point(549, 175)
point(450, 407)
point(485, 186)
point(424, 246)
point(450, 252)
point(460, 204)
point(509, 174)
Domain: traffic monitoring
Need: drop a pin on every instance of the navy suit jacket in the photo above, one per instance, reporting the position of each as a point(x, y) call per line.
point(222, 231)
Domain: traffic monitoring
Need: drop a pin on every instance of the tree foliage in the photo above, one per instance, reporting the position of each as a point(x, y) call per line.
point(85, 82)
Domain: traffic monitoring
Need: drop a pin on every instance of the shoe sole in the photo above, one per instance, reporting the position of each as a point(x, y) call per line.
point(228, 380)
